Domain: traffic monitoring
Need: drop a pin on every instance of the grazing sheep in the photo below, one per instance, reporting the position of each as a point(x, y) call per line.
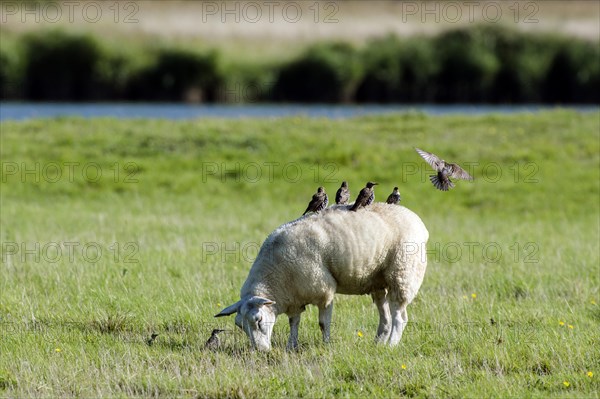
point(378, 250)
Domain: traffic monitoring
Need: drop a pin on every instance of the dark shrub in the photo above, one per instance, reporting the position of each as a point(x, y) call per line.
point(467, 65)
point(524, 59)
point(11, 73)
point(247, 83)
point(325, 73)
point(118, 68)
point(381, 79)
point(177, 75)
point(587, 57)
point(61, 66)
point(573, 75)
point(418, 68)
point(397, 71)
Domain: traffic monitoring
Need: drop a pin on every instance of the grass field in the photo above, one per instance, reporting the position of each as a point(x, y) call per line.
point(112, 230)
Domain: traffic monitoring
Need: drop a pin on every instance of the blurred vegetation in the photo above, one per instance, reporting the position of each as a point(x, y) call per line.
point(478, 65)
point(325, 73)
point(61, 67)
point(177, 75)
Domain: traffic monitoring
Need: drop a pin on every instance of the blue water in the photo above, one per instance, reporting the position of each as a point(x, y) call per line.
point(20, 111)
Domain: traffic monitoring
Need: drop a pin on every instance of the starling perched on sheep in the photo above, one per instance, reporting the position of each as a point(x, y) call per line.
point(394, 197)
point(318, 203)
point(365, 197)
point(343, 194)
point(445, 170)
point(213, 342)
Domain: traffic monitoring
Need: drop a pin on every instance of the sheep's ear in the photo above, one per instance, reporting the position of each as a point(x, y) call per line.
point(229, 310)
point(260, 301)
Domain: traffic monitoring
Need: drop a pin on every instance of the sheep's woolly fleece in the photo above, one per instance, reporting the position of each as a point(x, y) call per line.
point(308, 260)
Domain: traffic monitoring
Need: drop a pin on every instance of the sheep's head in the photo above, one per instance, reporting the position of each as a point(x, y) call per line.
point(256, 317)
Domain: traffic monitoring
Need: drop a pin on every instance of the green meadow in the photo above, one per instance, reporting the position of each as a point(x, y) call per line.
point(112, 230)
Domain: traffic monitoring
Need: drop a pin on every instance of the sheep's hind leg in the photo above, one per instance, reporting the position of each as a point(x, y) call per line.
point(383, 306)
point(325, 314)
point(294, 324)
point(399, 321)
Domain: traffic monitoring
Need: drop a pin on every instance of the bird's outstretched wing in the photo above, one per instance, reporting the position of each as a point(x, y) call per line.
point(430, 158)
point(459, 173)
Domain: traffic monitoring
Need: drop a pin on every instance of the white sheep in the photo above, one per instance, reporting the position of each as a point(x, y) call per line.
point(379, 250)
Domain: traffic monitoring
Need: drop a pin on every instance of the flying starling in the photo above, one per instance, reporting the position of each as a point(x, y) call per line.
point(343, 194)
point(445, 170)
point(318, 203)
point(394, 197)
point(365, 197)
point(213, 342)
point(152, 338)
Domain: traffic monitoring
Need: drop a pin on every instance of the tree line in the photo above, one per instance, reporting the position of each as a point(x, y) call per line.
point(475, 65)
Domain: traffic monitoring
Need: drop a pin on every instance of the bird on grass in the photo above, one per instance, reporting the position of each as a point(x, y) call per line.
point(318, 203)
point(365, 197)
point(152, 338)
point(343, 194)
point(445, 170)
point(213, 342)
point(394, 197)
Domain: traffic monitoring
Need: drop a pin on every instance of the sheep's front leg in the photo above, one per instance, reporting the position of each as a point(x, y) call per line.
point(325, 314)
point(399, 321)
point(385, 322)
point(294, 324)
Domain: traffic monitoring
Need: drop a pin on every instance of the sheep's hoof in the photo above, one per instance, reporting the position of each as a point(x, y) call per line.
point(292, 347)
point(382, 339)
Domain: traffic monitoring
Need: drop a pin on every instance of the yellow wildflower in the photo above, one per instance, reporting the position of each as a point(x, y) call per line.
point(57, 350)
point(403, 367)
point(473, 295)
point(561, 323)
point(359, 333)
point(571, 326)
point(566, 383)
point(590, 374)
